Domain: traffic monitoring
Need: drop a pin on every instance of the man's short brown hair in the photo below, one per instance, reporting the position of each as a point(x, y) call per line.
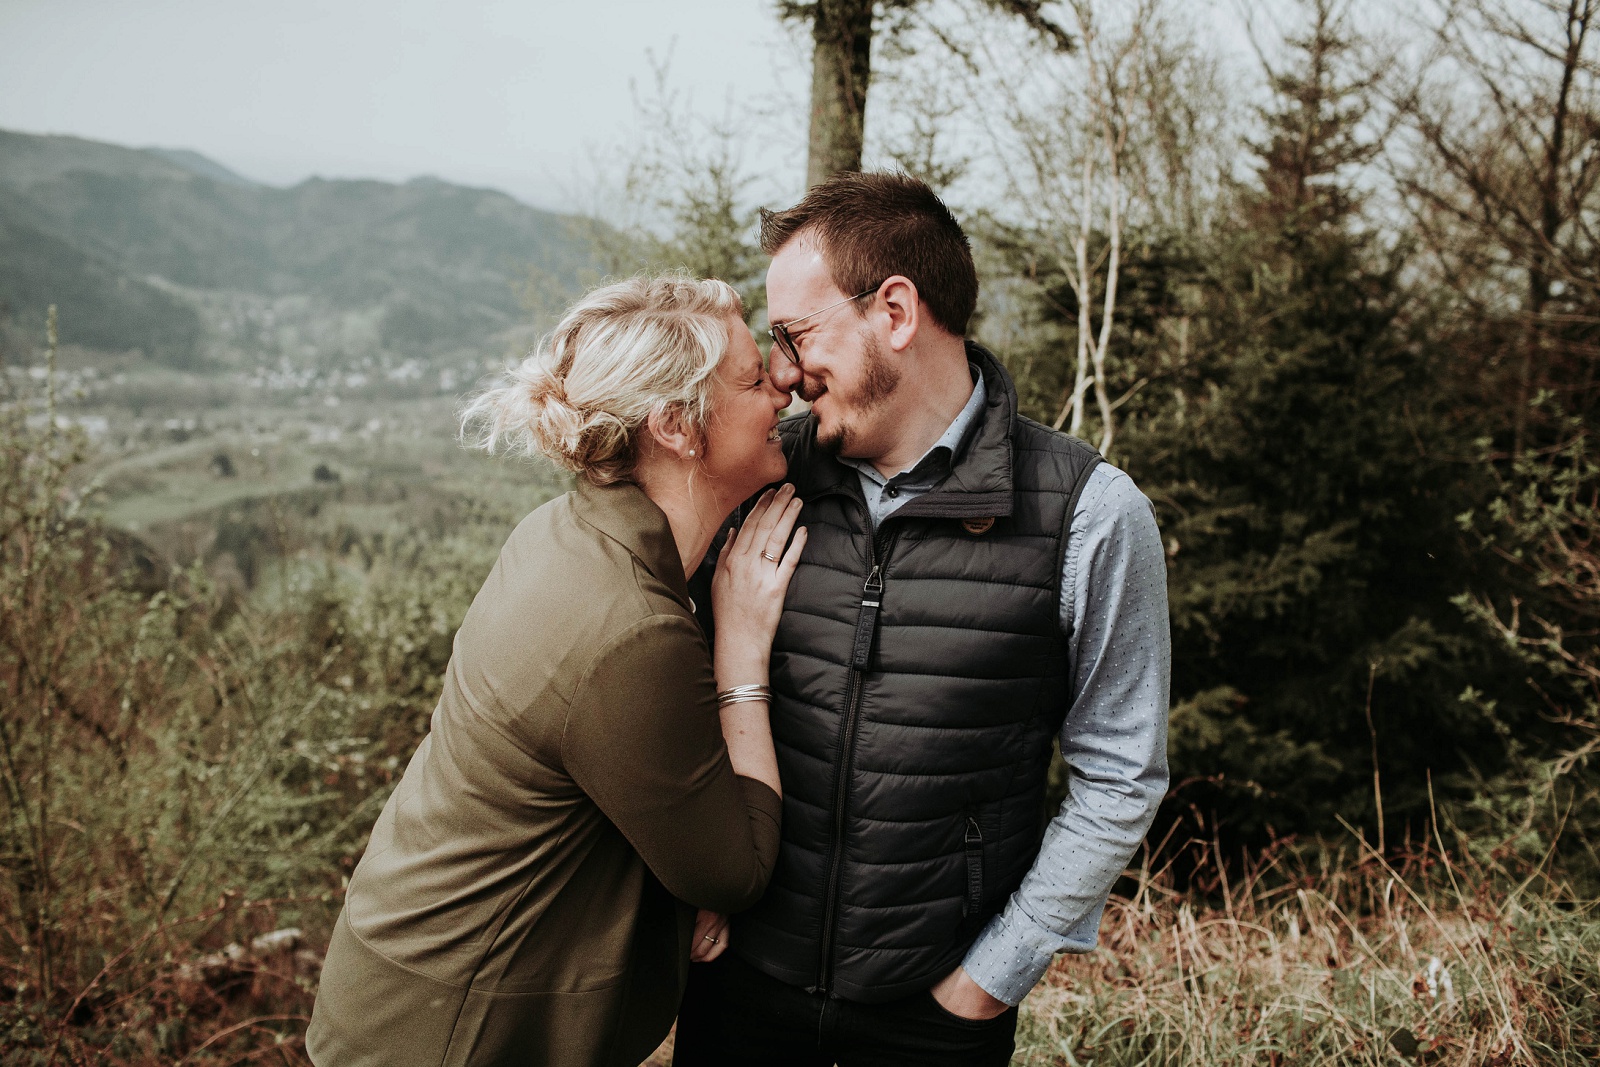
point(871, 226)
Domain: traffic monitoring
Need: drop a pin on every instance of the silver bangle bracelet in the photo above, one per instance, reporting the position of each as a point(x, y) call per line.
point(744, 692)
point(746, 699)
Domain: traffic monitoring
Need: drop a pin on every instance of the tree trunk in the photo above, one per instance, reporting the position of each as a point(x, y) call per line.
point(841, 66)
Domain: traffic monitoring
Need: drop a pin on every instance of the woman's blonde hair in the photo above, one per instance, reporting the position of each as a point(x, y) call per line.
point(624, 352)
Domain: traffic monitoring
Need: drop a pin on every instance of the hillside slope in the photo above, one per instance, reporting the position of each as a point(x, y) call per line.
point(170, 253)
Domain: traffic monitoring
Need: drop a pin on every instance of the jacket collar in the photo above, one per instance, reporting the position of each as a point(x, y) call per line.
point(979, 484)
point(625, 514)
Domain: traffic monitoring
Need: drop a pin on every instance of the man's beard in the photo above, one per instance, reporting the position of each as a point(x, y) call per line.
point(878, 383)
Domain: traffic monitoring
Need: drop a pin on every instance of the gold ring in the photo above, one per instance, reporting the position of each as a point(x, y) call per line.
point(709, 938)
point(769, 558)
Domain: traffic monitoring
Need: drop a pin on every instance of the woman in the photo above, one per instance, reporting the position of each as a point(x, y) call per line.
point(515, 902)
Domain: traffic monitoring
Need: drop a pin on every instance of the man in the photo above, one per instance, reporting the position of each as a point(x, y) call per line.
point(974, 585)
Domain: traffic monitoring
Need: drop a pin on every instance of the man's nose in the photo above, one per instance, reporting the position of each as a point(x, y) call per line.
point(784, 374)
point(781, 397)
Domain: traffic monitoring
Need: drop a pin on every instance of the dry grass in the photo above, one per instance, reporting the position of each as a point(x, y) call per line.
point(1364, 963)
point(1432, 960)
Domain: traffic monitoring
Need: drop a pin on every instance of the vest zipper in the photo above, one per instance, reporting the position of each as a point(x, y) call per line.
point(860, 656)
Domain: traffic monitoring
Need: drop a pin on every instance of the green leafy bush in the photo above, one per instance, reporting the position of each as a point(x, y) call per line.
point(186, 769)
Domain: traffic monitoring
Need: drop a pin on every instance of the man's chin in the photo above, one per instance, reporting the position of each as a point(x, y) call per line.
point(832, 439)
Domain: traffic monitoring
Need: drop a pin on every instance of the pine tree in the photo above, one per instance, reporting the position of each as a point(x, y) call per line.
point(1302, 474)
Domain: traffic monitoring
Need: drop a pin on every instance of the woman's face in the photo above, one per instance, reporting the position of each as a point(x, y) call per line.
point(742, 451)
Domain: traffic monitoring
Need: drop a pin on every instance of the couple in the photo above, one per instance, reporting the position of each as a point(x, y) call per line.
point(853, 766)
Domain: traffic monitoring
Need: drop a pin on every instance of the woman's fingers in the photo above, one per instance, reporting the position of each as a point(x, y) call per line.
point(791, 558)
point(722, 934)
point(766, 528)
point(772, 509)
point(750, 529)
point(778, 535)
point(710, 936)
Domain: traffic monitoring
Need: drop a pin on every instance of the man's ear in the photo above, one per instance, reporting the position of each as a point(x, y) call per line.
point(667, 430)
point(899, 295)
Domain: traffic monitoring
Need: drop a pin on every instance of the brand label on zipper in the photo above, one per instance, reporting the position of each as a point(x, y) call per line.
point(867, 621)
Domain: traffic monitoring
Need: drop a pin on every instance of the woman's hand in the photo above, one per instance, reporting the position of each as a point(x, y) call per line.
point(710, 936)
point(747, 591)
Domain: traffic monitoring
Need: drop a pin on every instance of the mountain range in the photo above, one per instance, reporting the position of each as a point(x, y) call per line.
point(172, 254)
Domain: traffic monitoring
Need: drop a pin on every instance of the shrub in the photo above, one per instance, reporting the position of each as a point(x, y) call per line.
point(189, 775)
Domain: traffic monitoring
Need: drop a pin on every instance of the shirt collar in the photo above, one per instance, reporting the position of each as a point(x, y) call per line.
point(623, 512)
point(937, 460)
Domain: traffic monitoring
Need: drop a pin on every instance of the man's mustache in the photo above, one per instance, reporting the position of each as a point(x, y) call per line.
point(809, 389)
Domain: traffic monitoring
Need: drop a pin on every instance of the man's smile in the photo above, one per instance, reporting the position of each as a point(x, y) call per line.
point(810, 390)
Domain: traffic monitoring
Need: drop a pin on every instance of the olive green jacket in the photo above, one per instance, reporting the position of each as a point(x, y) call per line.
point(515, 902)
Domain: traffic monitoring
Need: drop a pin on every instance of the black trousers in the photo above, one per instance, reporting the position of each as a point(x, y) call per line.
point(735, 1016)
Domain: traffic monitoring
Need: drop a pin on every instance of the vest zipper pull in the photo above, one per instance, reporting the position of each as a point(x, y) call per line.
point(873, 587)
point(867, 621)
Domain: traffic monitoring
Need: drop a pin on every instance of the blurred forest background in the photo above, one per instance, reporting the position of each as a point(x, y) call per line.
point(1337, 313)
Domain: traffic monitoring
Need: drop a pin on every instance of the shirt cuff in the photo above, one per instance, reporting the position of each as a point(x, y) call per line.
point(1013, 952)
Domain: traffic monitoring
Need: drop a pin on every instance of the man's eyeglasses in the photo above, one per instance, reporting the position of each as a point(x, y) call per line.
point(783, 340)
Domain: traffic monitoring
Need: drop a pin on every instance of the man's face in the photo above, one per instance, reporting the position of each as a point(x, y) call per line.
point(843, 372)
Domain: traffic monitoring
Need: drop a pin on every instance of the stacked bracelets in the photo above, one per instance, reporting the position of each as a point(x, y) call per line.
point(739, 694)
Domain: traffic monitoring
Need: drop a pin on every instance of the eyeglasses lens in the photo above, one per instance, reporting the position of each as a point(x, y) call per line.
point(785, 343)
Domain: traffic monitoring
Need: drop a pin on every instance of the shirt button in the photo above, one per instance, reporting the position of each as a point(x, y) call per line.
point(891, 491)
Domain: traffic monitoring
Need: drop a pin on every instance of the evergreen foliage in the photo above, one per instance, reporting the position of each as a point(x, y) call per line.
point(1287, 412)
point(1542, 606)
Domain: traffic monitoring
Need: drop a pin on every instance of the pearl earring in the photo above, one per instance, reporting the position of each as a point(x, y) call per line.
point(691, 453)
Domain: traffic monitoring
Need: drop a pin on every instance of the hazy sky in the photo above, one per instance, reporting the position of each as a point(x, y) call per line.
point(508, 93)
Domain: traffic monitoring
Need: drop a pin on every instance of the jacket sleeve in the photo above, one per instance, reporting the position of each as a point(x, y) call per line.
point(643, 739)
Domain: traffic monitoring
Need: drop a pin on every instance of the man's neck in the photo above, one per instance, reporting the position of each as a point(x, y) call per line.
point(926, 407)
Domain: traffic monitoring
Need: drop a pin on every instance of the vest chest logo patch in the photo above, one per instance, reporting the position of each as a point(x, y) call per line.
point(977, 526)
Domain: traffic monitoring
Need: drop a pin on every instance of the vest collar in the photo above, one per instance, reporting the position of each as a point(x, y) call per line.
point(979, 484)
point(625, 514)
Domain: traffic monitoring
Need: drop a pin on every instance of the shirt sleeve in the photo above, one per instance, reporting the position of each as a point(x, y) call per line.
point(1114, 738)
point(643, 739)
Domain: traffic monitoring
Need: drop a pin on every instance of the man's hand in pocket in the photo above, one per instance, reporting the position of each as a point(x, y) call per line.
point(960, 995)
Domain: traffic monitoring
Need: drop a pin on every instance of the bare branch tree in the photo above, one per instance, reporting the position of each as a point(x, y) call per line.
point(1092, 144)
point(685, 200)
point(1501, 172)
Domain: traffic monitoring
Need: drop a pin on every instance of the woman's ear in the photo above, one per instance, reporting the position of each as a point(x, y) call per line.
point(668, 432)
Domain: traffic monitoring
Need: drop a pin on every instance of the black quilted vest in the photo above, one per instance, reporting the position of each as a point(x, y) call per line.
point(919, 677)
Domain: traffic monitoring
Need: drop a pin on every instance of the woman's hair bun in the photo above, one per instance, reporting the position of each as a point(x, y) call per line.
point(581, 399)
